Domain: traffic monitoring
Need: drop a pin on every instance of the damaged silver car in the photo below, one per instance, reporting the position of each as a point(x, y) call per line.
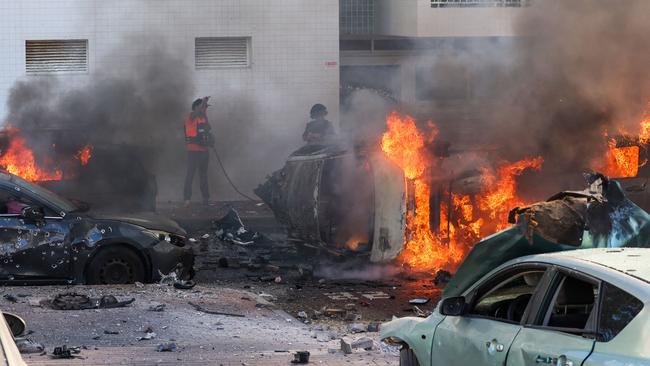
point(526, 296)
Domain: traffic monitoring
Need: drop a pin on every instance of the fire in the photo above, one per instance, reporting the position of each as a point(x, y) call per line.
point(620, 162)
point(18, 159)
point(84, 154)
point(464, 219)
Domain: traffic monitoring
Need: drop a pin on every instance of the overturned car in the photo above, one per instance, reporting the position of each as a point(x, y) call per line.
point(49, 239)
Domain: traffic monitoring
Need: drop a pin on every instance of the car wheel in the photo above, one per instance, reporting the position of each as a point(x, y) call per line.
point(115, 265)
point(407, 358)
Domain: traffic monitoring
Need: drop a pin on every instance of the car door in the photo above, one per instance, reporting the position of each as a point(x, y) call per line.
point(562, 333)
point(31, 249)
point(496, 308)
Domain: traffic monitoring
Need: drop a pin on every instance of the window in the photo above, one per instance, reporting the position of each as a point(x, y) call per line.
point(479, 3)
point(508, 298)
point(618, 308)
point(572, 306)
point(55, 56)
point(222, 52)
point(357, 16)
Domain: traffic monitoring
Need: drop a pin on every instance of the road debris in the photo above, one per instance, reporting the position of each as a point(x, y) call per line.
point(167, 347)
point(215, 312)
point(418, 301)
point(65, 352)
point(157, 307)
point(28, 346)
point(147, 336)
point(231, 229)
point(75, 301)
point(11, 298)
point(301, 357)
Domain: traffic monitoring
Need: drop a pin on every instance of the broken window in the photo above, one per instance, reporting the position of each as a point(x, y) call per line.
point(508, 298)
point(56, 56)
point(222, 52)
point(572, 307)
point(618, 308)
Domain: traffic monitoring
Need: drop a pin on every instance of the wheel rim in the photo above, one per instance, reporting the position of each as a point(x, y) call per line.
point(116, 271)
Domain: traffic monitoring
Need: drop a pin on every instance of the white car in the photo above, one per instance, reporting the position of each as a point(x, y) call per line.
point(580, 307)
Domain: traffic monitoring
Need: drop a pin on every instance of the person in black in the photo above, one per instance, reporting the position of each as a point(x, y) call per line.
point(318, 130)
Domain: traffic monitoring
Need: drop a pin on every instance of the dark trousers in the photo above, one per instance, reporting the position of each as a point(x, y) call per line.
point(197, 160)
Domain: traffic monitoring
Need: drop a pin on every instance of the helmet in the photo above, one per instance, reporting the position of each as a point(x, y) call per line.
point(318, 109)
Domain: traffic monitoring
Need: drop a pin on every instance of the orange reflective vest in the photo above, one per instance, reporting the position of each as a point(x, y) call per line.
point(195, 127)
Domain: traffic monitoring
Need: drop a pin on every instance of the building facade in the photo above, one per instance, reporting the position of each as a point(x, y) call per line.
point(440, 58)
point(274, 57)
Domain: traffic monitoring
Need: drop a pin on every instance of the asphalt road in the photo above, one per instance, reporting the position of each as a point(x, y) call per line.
point(263, 335)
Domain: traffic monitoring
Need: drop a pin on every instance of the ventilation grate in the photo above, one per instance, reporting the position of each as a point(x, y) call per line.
point(52, 56)
point(220, 52)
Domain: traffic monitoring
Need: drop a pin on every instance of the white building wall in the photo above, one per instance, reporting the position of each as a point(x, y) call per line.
point(416, 18)
point(295, 51)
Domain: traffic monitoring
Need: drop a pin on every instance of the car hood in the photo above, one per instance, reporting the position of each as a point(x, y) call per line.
point(598, 217)
point(147, 220)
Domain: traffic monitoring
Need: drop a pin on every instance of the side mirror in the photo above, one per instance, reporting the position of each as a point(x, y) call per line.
point(16, 324)
point(453, 306)
point(33, 215)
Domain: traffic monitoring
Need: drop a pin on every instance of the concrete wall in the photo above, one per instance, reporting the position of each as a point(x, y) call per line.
point(295, 54)
point(416, 18)
point(396, 17)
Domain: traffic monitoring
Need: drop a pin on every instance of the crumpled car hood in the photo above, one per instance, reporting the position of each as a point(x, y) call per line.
point(147, 220)
point(599, 217)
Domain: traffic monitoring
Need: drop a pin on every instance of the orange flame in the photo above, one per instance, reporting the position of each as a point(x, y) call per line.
point(84, 154)
point(472, 216)
point(19, 160)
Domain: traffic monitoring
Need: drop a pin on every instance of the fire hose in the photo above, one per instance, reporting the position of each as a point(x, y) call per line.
point(225, 173)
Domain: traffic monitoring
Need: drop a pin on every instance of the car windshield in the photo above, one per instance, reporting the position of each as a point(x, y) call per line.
point(51, 197)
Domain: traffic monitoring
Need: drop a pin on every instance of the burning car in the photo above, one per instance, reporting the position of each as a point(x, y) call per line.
point(47, 238)
point(508, 298)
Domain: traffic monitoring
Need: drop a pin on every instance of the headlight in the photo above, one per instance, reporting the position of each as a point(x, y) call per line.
point(173, 239)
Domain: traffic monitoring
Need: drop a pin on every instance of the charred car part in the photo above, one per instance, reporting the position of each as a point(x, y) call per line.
point(341, 198)
point(52, 240)
point(601, 216)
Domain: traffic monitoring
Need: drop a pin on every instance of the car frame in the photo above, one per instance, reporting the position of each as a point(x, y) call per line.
point(454, 336)
point(54, 240)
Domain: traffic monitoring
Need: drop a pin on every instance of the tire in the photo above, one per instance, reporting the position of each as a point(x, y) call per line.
point(407, 358)
point(115, 265)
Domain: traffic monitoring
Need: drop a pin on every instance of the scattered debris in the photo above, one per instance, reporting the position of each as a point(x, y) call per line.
point(147, 336)
point(278, 279)
point(442, 277)
point(10, 298)
point(75, 301)
point(139, 284)
point(352, 317)
point(231, 229)
point(184, 285)
point(418, 301)
point(346, 346)
point(301, 357)
point(373, 327)
point(157, 307)
point(365, 343)
point(166, 347)
point(356, 328)
point(303, 315)
point(65, 352)
point(111, 332)
point(168, 279)
point(28, 346)
point(418, 312)
point(215, 312)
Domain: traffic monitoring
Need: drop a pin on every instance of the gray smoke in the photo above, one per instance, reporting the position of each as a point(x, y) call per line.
point(139, 103)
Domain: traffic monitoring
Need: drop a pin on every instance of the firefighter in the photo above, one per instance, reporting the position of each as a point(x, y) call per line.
point(198, 139)
point(318, 130)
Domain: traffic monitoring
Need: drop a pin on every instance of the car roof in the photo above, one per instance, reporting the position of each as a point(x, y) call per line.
point(631, 261)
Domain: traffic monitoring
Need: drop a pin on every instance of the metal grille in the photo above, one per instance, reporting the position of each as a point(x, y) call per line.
point(479, 3)
point(357, 16)
point(220, 52)
point(52, 56)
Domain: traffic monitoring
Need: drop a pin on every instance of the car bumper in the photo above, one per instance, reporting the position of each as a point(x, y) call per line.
point(167, 258)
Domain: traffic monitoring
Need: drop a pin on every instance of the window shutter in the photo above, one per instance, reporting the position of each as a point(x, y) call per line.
point(221, 52)
point(52, 56)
